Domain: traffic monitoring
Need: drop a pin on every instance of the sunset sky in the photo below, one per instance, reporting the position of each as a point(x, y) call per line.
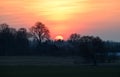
point(63, 17)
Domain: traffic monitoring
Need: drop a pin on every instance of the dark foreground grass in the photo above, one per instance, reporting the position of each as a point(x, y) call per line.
point(59, 71)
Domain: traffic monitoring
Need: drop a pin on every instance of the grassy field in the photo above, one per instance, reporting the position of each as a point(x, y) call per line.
point(59, 71)
point(36, 66)
point(38, 60)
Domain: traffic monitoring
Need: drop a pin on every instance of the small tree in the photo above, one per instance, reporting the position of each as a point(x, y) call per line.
point(74, 37)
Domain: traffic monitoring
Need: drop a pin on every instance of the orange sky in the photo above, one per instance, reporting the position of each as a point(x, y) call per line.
point(63, 17)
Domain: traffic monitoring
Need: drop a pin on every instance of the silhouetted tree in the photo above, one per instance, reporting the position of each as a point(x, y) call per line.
point(22, 42)
point(74, 40)
point(74, 37)
point(100, 50)
point(40, 32)
point(92, 48)
point(7, 39)
point(86, 49)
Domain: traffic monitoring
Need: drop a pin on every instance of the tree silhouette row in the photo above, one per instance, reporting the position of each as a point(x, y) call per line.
point(37, 41)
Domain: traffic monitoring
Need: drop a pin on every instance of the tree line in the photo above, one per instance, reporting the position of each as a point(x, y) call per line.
point(37, 41)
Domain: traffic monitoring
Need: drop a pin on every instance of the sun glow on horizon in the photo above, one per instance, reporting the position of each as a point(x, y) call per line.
point(59, 37)
point(86, 17)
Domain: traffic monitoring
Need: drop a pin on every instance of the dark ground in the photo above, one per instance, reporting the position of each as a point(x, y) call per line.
point(59, 71)
point(33, 66)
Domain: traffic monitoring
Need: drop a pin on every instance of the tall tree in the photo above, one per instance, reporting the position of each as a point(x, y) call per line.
point(7, 37)
point(100, 49)
point(40, 32)
point(92, 48)
point(74, 40)
point(22, 42)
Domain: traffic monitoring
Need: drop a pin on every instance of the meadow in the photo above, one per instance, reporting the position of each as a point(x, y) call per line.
point(23, 66)
point(59, 71)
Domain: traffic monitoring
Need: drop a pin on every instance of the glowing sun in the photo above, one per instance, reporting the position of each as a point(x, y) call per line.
point(59, 37)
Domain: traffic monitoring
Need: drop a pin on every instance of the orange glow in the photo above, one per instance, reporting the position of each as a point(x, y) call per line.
point(87, 17)
point(58, 10)
point(59, 37)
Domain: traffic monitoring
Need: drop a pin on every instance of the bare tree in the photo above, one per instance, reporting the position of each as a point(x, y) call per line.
point(40, 32)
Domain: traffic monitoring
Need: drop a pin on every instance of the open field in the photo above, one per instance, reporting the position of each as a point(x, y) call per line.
point(39, 60)
point(36, 66)
point(46, 60)
point(58, 71)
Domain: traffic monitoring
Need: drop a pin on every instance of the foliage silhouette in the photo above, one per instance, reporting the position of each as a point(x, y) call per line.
point(21, 40)
point(37, 42)
point(40, 32)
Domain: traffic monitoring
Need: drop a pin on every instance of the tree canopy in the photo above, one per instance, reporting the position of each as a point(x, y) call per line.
point(40, 32)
